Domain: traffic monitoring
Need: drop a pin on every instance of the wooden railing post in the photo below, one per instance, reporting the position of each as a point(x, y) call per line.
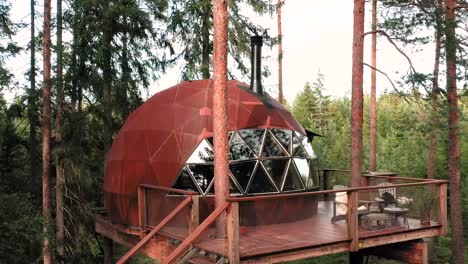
point(233, 233)
point(141, 207)
point(194, 213)
point(352, 220)
point(326, 181)
point(442, 209)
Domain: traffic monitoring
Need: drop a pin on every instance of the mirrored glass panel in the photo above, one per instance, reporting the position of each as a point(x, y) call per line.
point(203, 175)
point(284, 137)
point(271, 148)
point(202, 154)
point(253, 138)
point(232, 188)
point(242, 171)
point(306, 144)
point(238, 150)
point(305, 171)
point(292, 181)
point(314, 174)
point(261, 183)
point(185, 182)
point(276, 169)
point(297, 149)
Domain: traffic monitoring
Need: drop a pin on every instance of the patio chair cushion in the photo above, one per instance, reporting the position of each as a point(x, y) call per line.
point(388, 198)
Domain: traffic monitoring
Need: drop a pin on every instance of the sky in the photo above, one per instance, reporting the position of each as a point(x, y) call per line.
point(317, 36)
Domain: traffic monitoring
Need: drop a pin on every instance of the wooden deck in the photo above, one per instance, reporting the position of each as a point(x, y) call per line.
point(310, 233)
point(314, 235)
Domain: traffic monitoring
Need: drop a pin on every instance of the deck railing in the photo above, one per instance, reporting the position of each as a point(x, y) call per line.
point(355, 196)
point(241, 212)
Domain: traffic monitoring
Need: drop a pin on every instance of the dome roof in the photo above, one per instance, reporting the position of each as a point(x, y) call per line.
point(157, 138)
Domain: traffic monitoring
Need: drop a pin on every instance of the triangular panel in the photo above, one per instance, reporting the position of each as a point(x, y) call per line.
point(185, 182)
point(253, 138)
point(202, 154)
point(203, 175)
point(261, 183)
point(306, 144)
point(232, 188)
point(242, 172)
point(292, 181)
point(297, 149)
point(276, 169)
point(284, 137)
point(271, 148)
point(303, 168)
point(238, 150)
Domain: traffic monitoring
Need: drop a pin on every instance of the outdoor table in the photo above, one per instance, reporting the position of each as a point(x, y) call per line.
point(375, 221)
point(395, 212)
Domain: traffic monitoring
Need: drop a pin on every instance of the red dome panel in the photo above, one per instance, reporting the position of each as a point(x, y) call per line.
point(158, 137)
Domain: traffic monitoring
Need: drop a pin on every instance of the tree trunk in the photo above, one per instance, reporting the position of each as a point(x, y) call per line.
point(373, 99)
point(60, 181)
point(107, 75)
point(33, 157)
point(456, 220)
point(205, 67)
point(357, 94)
point(46, 206)
point(435, 93)
point(107, 102)
point(221, 164)
point(280, 54)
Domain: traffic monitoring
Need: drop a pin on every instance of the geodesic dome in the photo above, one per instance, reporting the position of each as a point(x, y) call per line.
point(168, 142)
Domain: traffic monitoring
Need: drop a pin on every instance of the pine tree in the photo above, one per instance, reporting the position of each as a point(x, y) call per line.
point(46, 130)
point(190, 24)
point(456, 219)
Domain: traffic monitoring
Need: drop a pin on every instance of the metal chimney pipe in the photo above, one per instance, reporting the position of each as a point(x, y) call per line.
point(256, 69)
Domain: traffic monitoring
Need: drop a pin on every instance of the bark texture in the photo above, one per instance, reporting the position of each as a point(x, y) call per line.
point(280, 54)
point(46, 206)
point(221, 162)
point(107, 76)
point(357, 94)
point(205, 67)
point(60, 181)
point(435, 93)
point(456, 220)
point(33, 154)
point(373, 99)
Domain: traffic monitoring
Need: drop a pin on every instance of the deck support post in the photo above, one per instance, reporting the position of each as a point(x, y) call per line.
point(414, 251)
point(356, 258)
point(352, 220)
point(442, 209)
point(326, 181)
point(233, 233)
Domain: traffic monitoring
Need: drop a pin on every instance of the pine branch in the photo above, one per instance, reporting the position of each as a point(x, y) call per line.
point(413, 71)
point(383, 73)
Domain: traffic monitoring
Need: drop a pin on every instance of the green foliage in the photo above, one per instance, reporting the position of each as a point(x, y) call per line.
point(7, 47)
point(189, 24)
point(403, 133)
point(21, 225)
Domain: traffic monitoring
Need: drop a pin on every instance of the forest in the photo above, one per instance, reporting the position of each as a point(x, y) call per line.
point(91, 63)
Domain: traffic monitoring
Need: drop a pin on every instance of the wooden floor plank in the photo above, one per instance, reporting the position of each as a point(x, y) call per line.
point(312, 234)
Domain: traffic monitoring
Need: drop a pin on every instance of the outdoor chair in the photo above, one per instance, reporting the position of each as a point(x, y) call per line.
point(340, 205)
point(387, 196)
